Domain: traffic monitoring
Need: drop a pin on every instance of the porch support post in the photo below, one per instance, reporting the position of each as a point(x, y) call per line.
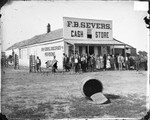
point(113, 50)
point(125, 52)
point(74, 48)
point(88, 49)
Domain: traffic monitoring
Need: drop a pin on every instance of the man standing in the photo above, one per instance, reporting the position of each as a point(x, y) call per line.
point(112, 62)
point(92, 63)
point(120, 62)
point(137, 62)
point(105, 60)
point(54, 64)
point(38, 64)
point(83, 63)
point(127, 63)
point(76, 62)
point(71, 60)
point(64, 61)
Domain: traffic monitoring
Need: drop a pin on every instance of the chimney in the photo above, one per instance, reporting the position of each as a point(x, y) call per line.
point(48, 28)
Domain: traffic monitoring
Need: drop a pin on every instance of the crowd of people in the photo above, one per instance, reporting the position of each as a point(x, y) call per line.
point(92, 63)
point(10, 61)
point(89, 63)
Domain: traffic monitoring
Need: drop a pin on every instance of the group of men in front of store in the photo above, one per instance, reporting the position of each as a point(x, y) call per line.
point(92, 63)
point(107, 62)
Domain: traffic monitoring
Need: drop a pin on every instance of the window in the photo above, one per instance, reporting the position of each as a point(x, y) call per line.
point(99, 50)
point(20, 53)
point(91, 50)
point(108, 49)
point(89, 33)
point(80, 50)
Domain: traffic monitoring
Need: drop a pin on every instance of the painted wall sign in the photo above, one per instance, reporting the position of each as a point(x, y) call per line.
point(76, 28)
point(52, 48)
point(47, 54)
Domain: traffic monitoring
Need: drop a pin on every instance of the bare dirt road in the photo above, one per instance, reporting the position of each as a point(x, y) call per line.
point(36, 96)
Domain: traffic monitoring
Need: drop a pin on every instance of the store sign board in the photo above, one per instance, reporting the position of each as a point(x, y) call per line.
point(76, 28)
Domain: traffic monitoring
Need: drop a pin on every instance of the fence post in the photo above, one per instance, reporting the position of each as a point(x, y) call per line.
point(16, 62)
point(32, 64)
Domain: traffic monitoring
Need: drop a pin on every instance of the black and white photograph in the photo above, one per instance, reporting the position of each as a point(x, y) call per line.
point(75, 60)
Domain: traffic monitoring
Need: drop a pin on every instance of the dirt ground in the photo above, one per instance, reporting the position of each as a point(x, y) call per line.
point(36, 96)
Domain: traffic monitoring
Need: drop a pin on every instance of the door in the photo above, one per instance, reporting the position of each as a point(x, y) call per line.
point(91, 50)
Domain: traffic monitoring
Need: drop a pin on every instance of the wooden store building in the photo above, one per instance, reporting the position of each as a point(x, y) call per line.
point(78, 35)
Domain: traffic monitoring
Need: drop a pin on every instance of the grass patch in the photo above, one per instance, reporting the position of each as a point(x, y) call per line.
point(37, 112)
point(61, 115)
point(80, 108)
point(22, 91)
point(127, 107)
point(27, 114)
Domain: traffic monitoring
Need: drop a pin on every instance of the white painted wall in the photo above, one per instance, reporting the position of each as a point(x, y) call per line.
point(58, 53)
point(44, 55)
point(66, 49)
point(24, 57)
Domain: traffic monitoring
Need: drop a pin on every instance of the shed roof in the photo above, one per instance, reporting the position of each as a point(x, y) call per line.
point(95, 42)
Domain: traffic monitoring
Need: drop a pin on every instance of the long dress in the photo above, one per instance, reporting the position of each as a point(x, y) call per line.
point(108, 64)
point(98, 63)
point(101, 62)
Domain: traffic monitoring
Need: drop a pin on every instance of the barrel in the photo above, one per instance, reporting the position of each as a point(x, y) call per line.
point(90, 86)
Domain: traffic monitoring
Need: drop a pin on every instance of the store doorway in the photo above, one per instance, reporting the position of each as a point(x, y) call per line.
point(91, 50)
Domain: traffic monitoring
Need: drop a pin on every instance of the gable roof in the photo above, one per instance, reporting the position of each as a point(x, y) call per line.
point(53, 35)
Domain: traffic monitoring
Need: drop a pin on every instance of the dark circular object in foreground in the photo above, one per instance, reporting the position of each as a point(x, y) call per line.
point(91, 86)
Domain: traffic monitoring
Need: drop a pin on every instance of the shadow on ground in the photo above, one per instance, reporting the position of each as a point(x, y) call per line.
point(78, 107)
point(120, 106)
point(112, 96)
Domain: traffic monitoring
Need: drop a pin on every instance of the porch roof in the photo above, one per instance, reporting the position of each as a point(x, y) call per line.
point(94, 42)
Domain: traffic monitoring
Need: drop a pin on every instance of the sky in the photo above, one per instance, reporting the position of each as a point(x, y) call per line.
point(25, 19)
